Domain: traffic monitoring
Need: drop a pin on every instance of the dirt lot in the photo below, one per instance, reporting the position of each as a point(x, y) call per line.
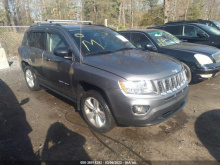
point(44, 126)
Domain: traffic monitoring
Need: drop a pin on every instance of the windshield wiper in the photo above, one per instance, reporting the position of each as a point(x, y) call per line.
point(124, 49)
point(97, 53)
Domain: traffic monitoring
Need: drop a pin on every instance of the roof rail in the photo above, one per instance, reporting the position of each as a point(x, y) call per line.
point(56, 21)
point(182, 21)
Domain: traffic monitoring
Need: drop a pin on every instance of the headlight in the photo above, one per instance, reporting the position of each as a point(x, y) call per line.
point(203, 59)
point(137, 87)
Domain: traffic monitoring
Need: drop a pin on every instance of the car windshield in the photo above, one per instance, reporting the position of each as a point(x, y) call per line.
point(99, 41)
point(211, 30)
point(217, 24)
point(163, 38)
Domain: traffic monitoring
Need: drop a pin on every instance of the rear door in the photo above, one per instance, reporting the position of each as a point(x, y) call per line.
point(58, 70)
point(36, 42)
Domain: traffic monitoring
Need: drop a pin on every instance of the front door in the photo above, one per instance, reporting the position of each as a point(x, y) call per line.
point(58, 70)
point(190, 34)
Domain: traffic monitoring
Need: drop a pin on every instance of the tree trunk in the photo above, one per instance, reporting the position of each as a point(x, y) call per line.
point(119, 13)
point(9, 16)
point(166, 6)
point(186, 10)
point(123, 13)
point(132, 14)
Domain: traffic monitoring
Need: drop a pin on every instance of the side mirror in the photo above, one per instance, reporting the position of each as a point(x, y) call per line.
point(150, 47)
point(201, 35)
point(63, 52)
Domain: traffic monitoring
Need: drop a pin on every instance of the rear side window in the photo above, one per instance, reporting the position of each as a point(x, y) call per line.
point(36, 39)
point(175, 30)
point(39, 40)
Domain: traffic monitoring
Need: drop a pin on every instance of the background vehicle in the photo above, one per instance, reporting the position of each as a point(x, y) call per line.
point(211, 23)
point(193, 32)
point(106, 75)
point(200, 61)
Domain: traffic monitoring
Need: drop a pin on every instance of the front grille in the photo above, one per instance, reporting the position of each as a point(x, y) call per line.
point(171, 84)
point(217, 57)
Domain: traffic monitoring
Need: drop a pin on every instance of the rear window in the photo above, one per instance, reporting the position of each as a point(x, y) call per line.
point(175, 30)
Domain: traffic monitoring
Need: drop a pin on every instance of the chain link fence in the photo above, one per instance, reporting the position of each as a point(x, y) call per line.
point(11, 38)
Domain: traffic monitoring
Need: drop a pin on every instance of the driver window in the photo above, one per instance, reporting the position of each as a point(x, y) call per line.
point(191, 31)
point(54, 41)
point(140, 40)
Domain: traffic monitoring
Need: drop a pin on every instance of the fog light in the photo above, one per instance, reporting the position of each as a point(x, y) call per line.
point(206, 75)
point(140, 109)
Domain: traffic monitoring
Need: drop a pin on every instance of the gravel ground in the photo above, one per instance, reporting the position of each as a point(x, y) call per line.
point(44, 126)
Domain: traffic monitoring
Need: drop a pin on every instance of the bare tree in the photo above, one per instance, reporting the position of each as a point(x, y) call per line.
point(166, 7)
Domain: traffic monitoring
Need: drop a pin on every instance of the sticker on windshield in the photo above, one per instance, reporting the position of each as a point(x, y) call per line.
point(122, 38)
point(84, 42)
point(79, 35)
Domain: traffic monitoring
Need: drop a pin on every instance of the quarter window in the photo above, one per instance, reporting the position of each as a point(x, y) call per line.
point(54, 41)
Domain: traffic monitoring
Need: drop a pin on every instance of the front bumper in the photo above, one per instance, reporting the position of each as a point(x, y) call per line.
point(161, 108)
point(212, 70)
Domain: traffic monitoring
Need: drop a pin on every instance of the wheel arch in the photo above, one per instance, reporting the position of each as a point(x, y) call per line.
point(83, 87)
point(23, 65)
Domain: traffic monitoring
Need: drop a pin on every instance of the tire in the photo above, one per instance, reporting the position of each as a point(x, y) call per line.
point(31, 79)
point(99, 119)
point(188, 72)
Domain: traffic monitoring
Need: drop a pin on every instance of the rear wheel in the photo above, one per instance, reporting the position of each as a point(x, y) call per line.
point(31, 79)
point(188, 72)
point(96, 112)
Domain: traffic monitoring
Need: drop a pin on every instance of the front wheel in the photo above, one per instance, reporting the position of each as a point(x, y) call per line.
point(96, 112)
point(188, 72)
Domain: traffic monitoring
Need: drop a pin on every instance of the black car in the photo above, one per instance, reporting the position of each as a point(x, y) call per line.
point(211, 23)
point(200, 61)
point(193, 32)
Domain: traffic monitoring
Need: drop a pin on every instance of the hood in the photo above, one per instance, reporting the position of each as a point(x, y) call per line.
point(135, 64)
point(194, 48)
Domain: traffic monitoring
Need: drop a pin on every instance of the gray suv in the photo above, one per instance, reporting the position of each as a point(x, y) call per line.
point(111, 81)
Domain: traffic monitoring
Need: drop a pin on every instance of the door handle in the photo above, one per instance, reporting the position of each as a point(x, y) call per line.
point(47, 59)
point(184, 40)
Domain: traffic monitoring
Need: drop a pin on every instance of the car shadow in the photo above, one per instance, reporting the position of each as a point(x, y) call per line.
point(15, 144)
point(63, 145)
point(207, 128)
